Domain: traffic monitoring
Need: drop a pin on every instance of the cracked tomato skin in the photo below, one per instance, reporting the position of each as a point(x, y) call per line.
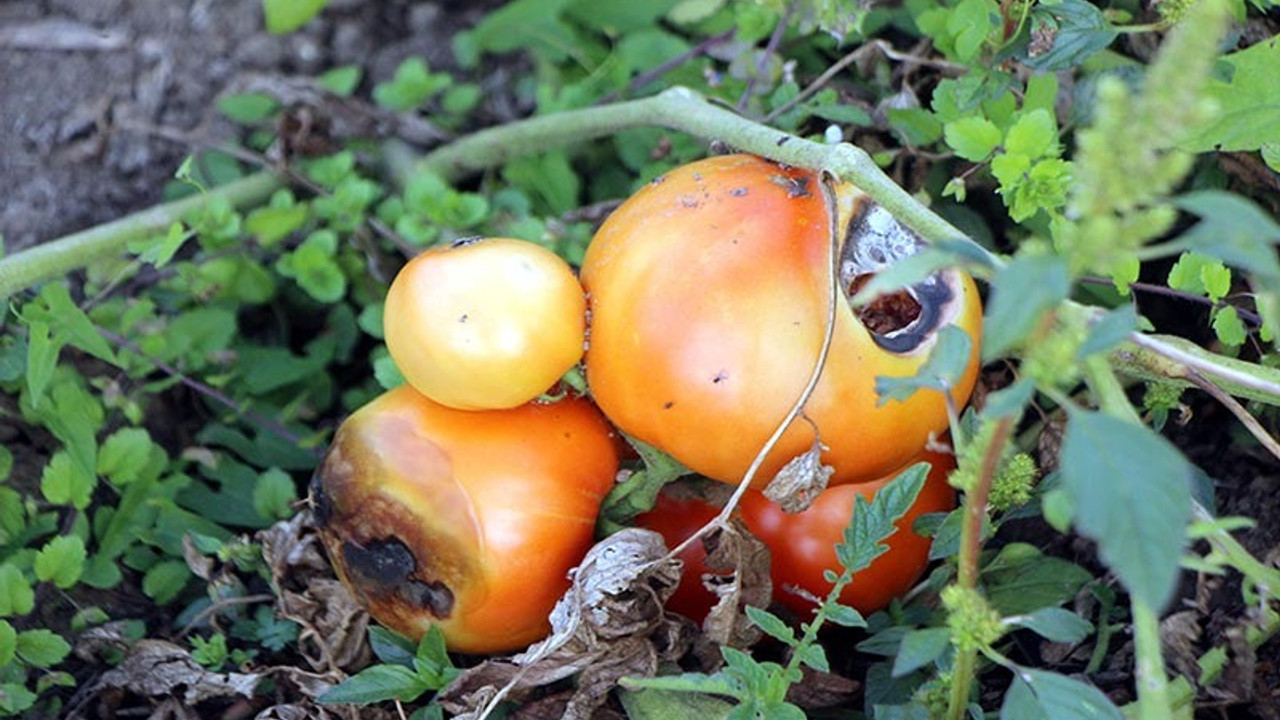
point(803, 543)
point(485, 323)
point(708, 298)
point(465, 520)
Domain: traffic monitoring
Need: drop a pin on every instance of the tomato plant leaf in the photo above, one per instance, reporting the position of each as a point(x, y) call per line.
point(1132, 494)
point(873, 522)
point(1023, 290)
point(771, 624)
point(919, 648)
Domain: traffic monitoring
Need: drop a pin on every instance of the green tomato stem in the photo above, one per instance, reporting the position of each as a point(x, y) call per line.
point(53, 259)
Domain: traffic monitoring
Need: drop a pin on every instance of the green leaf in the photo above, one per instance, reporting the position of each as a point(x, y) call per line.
point(8, 643)
point(42, 648)
point(1107, 333)
point(274, 494)
point(285, 16)
point(391, 648)
point(342, 80)
point(1077, 29)
point(15, 698)
point(1062, 698)
point(247, 108)
point(272, 224)
point(654, 704)
point(844, 616)
point(970, 23)
point(72, 325)
point(411, 86)
point(61, 561)
point(872, 523)
point(1034, 134)
point(919, 648)
point(314, 266)
point(1021, 580)
point(125, 454)
point(1025, 289)
point(158, 250)
point(1247, 96)
point(66, 482)
point(165, 580)
point(1229, 327)
point(1271, 155)
point(549, 177)
point(771, 624)
point(42, 359)
point(16, 595)
point(1132, 494)
point(917, 127)
point(377, 683)
point(1235, 230)
point(972, 138)
point(1056, 624)
point(948, 361)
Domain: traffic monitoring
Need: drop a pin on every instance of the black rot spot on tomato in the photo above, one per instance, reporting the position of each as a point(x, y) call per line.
point(435, 597)
point(738, 192)
point(463, 242)
point(668, 404)
point(385, 564)
point(464, 318)
point(720, 377)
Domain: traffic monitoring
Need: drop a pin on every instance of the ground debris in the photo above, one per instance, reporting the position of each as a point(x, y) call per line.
point(610, 624)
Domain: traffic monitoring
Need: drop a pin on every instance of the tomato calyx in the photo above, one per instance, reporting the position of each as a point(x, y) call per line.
point(900, 321)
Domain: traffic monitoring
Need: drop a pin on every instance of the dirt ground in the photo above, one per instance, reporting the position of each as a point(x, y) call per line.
point(93, 94)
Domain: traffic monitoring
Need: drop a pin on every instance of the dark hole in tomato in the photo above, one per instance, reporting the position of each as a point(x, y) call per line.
point(435, 597)
point(321, 505)
point(889, 312)
point(383, 564)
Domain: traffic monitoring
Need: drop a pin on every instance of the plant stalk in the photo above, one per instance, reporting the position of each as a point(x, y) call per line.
point(56, 258)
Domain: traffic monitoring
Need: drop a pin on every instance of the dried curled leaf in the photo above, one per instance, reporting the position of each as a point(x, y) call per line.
point(798, 483)
point(160, 669)
point(610, 624)
point(334, 625)
point(736, 551)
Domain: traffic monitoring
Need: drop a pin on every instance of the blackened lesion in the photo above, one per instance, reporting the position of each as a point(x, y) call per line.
point(388, 567)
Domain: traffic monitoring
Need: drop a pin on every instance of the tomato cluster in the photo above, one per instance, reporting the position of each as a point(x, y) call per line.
point(463, 498)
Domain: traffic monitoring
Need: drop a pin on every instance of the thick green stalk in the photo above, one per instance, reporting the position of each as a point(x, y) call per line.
point(56, 258)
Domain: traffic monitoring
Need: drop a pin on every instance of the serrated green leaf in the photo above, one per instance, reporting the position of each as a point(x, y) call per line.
point(124, 455)
point(1271, 155)
point(377, 683)
point(61, 561)
point(972, 138)
point(844, 616)
point(1185, 274)
point(285, 16)
point(947, 363)
point(42, 359)
point(1024, 290)
point(1229, 328)
point(1247, 97)
point(1056, 624)
point(274, 494)
point(872, 523)
point(1235, 230)
point(917, 127)
point(1063, 698)
point(391, 648)
point(42, 648)
point(771, 624)
point(65, 482)
point(15, 698)
point(1132, 494)
point(71, 324)
point(165, 580)
point(970, 24)
point(16, 595)
point(919, 648)
point(158, 250)
point(1034, 134)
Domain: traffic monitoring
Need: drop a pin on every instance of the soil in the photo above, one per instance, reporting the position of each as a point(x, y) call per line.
point(97, 98)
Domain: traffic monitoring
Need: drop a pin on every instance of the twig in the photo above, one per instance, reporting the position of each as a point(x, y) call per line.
point(1248, 316)
point(658, 71)
point(1244, 416)
point(762, 62)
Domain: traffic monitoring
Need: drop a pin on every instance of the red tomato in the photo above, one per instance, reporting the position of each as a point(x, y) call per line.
point(708, 295)
point(465, 520)
point(803, 544)
point(485, 323)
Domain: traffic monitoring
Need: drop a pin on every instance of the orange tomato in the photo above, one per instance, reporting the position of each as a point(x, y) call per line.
point(465, 520)
point(708, 295)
